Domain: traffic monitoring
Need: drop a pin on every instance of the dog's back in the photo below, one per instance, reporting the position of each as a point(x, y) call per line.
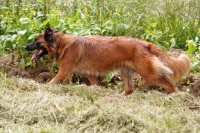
point(103, 54)
point(97, 55)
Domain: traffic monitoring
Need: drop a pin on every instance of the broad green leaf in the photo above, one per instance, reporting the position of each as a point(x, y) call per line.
point(13, 37)
point(27, 59)
point(196, 39)
point(122, 26)
point(109, 22)
point(24, 20)
point(173, 42)
point(39, 14)
point(11, 29)
point(191, 46)
point(28, 63)
point(45, 22)
point(5, 8)
point(23, 64)
point(22, 32)
point(95, 27)
point(109, 27)
point(14, 46)
point(32, 36)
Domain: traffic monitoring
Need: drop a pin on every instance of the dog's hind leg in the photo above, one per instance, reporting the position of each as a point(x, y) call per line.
point(93, 79)
point(126, 75)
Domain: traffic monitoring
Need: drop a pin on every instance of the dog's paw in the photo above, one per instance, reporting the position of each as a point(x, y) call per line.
point(53, 81)
point(127, 92)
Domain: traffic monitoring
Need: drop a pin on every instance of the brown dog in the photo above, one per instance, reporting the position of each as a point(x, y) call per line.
point(97, 55)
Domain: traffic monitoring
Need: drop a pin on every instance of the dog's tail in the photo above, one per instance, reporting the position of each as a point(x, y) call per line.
point(180, 66)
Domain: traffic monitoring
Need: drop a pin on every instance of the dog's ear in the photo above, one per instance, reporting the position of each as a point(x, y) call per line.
point(49, 35)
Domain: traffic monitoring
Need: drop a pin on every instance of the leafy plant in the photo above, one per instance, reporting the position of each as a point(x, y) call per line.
point(194, 49)
point(168, 25)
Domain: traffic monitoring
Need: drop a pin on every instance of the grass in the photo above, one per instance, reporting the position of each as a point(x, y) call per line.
point(28, 106)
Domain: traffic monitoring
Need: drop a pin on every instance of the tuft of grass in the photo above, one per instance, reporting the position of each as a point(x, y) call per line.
point(28, 106)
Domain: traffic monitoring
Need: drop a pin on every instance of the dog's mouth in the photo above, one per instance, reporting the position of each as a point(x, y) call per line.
point(36, 55)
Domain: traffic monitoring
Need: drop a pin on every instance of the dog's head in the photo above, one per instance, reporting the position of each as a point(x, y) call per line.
point(45, 43)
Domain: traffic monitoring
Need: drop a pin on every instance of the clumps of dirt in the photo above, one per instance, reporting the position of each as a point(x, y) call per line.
point(191, 84)
point(196, 88)
point(194, 85)
point(41, 73)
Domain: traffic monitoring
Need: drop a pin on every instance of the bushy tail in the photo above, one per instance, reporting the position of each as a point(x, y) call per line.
point(180, 66)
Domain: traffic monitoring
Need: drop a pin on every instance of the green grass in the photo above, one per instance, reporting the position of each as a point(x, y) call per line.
point(28, 106)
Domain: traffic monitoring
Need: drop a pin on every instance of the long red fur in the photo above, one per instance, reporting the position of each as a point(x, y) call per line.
point(97, 55)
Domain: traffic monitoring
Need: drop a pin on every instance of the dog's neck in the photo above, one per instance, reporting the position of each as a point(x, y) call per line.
point(56, 55)
point(57, 48)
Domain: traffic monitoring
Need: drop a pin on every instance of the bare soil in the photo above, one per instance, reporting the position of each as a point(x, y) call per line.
point(41, 73)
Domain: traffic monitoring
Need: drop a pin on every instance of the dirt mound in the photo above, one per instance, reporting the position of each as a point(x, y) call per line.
point(41, 73)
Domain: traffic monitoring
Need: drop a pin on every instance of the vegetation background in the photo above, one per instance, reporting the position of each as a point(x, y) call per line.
point(167, 23)
point(27, 106)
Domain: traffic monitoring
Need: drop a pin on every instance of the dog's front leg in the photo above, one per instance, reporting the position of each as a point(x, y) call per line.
point(126, 74)
point(61, 77)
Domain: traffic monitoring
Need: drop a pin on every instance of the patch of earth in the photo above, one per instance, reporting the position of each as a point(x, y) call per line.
point(41, 73)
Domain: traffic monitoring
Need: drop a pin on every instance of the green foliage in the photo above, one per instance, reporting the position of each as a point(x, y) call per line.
point(167, 23)
point(194, 49)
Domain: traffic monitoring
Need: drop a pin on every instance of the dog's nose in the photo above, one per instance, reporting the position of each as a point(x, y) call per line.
point(25, 47)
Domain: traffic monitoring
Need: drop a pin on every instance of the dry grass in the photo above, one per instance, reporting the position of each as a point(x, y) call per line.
point(28, 106)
